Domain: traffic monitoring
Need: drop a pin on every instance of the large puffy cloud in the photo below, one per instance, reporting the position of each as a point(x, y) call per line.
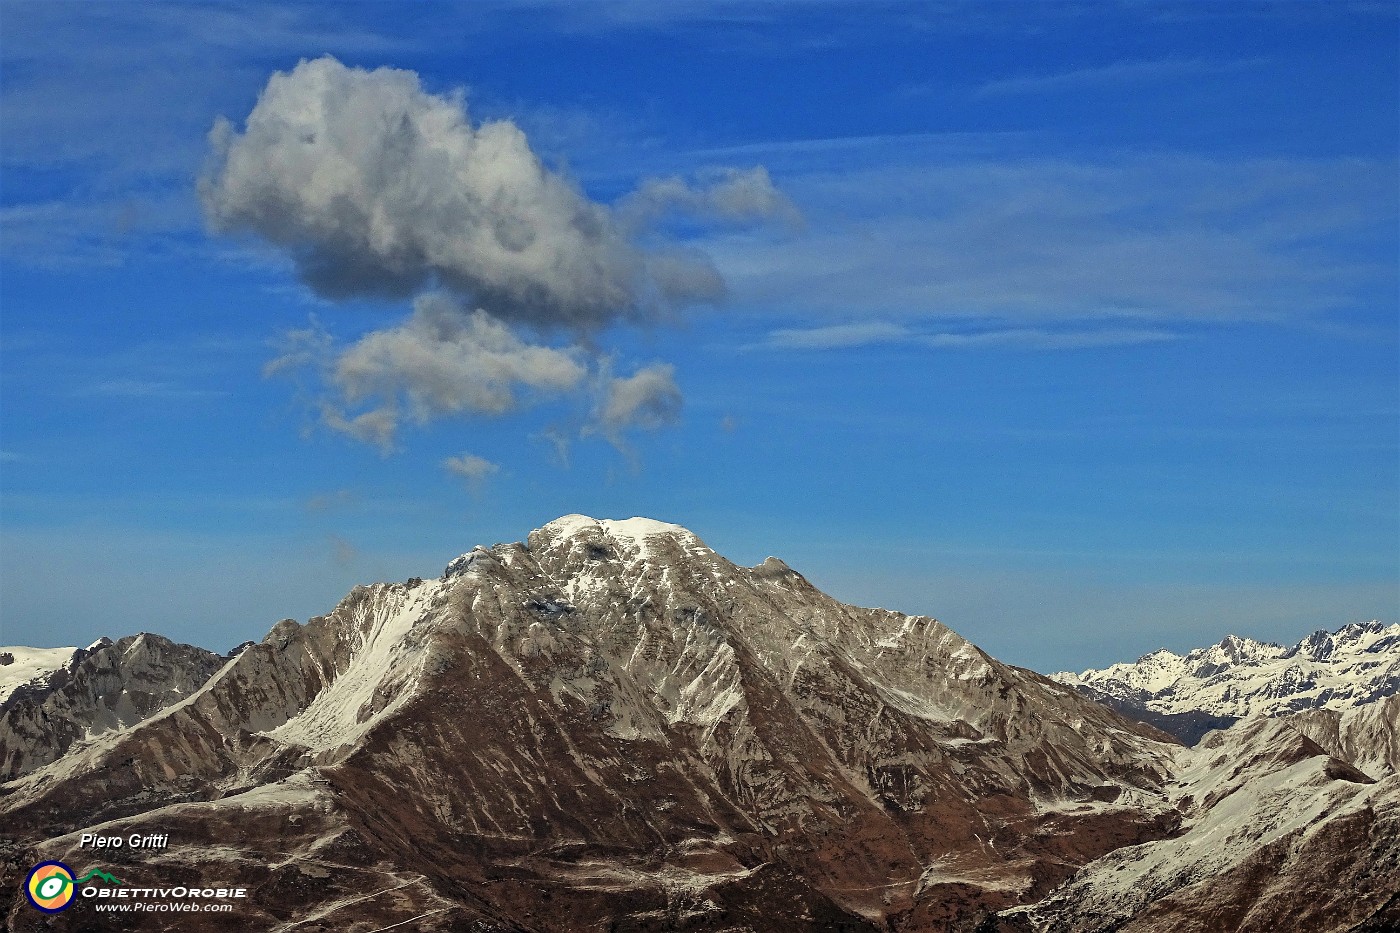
point(375, 186)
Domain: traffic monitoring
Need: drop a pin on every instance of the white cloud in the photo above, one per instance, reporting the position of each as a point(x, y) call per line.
point(442, 361)
point(446, 361)
point(471, 468)
point(300, 347)
point(648, 399)
point(376, 427)
point(1031, 339)
point(836, 336)
point(559, 443)
point(375, 186)
point(730, 195)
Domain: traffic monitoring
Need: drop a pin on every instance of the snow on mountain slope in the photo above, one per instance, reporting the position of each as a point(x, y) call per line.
point(1367, 736)
point(1277, 835)
point(28, 664)
point(1359, 664)
point(384, 661)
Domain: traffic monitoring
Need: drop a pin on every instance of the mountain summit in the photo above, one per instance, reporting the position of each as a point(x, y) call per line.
point(610, 726)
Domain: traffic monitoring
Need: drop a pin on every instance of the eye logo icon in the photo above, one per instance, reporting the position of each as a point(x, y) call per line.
point(49, 887)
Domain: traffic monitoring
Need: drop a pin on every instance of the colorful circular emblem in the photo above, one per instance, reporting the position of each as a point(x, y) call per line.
point(50, 887)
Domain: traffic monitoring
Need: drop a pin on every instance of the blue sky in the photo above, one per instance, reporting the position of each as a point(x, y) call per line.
point(1071, 324)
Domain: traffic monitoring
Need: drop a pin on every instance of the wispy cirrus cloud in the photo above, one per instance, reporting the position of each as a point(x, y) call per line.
point(1121, 240)
point(873, 333)
point(1113, 75)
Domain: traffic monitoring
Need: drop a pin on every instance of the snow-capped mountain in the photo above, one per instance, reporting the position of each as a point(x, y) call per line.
point(610, 726)
point(1354, 667)
point(106, 686)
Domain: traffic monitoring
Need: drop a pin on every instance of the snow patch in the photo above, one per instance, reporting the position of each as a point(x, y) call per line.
point(30, 664)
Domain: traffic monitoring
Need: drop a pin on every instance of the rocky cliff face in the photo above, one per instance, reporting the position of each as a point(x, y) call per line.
point(105, 687)
point(608, 727)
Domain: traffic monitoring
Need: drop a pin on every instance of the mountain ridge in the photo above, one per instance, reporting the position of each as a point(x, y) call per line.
point(1348, 672)
point(609, 725)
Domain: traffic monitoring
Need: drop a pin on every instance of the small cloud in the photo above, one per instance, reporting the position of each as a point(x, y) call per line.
point(837, 336)
point(375, 427)
point(559, 442)
point(9, 456)
point(307, 346)
point(647, 399)
point(330, 501)
point(444, 360)
point(729, 424)
point(441, 361)
point(729, 195)
point(342, 552)
point(475, 470)
point(1029, 339)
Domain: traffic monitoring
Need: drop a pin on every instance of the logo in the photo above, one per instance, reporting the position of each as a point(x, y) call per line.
point(50, 886)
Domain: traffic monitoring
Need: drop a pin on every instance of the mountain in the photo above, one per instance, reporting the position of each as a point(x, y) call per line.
point(104, 687)
point(1355, 668)
point(1277, 835)
point(611, 727)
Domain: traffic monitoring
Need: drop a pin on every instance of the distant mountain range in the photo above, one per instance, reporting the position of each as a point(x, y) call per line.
point(609, 726)
point(1343, 685)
